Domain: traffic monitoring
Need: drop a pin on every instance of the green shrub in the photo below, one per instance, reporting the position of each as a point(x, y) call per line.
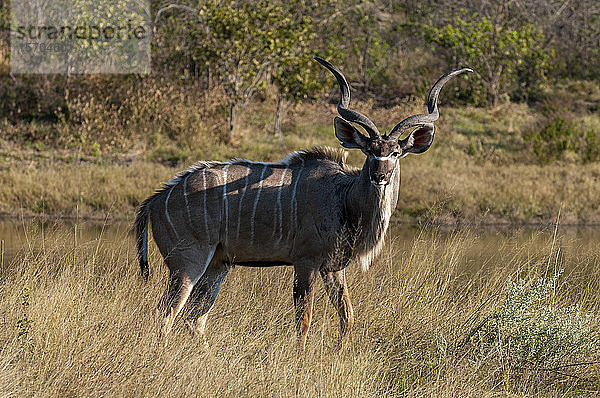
point(509, 59)
point(592, 147)
point(529, 331)
point(95, 149)
point(170, 155)
point(561, 135)
point(554, 139)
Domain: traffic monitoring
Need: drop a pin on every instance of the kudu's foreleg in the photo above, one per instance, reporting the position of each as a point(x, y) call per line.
point(304, 279)
point(337, 289)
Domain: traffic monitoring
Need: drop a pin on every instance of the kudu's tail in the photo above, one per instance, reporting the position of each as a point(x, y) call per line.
point(141, 234)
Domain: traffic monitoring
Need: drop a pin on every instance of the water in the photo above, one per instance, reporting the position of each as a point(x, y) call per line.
point(480, 246)
point(20, 236)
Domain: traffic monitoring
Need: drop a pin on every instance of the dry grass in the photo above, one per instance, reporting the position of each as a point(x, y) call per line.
point(452, 191)
point(83, 189)
point(478, 170)
point(78, 321)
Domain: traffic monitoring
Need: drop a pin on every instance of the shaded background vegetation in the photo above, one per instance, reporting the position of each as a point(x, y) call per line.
point(390, 51)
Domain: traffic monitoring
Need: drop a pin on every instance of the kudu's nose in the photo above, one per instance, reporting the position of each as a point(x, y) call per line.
point(378, 178)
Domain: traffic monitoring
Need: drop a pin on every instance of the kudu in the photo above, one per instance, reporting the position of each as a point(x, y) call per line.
point(309, 210)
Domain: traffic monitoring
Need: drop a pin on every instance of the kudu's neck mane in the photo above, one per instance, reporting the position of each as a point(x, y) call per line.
point(320, 153)
point(368, 210)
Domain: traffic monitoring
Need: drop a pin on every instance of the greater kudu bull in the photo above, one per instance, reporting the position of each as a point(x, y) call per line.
point(309, 210)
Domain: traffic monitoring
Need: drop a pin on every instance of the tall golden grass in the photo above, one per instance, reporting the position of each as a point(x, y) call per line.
point(78, 321)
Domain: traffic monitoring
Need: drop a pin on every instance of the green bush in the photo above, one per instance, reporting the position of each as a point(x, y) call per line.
point(592, 147)
point(529, 331)
point(554, 139)
point(508, 59)
point(170, 155)
point(562, 135)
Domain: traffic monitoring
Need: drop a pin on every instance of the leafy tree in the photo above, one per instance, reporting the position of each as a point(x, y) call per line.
point(367, 40)
point(368, 45)
point(242, 44)
point(296, 77)
point(573, 32)
point(498, 54)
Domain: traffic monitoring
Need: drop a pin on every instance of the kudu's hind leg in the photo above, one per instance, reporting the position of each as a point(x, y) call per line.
point(183, 274)
point(304, 293)
point(337, 289)
point(203, 296)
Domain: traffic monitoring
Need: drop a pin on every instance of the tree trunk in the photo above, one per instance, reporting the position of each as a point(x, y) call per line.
point(492, 97)
point(278, 114)
point(232, 118)
point(493, 86)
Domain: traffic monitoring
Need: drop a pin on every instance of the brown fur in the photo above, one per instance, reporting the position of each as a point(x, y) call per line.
point(321, 219)
point(336, 155)
point(309, 210)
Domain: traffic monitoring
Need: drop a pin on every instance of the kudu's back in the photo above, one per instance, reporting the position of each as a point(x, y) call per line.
point(264, 213)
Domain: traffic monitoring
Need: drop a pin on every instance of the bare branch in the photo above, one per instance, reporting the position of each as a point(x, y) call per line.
point(173, 6)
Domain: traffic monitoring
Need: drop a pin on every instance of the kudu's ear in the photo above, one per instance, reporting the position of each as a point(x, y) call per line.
point(418, 141)
point(348, 134)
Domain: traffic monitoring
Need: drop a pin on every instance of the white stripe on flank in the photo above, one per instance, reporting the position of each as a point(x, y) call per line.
point(167, 213)
point(240, 204)
point(208, 260)
point(294, 202)
point(260, 183)
point(289, 158)
point(279, 209)
point(204, 192)
point(185, 196)
point(225, 203)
